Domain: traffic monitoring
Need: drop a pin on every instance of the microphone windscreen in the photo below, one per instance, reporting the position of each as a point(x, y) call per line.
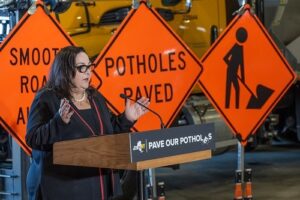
point(123, 96)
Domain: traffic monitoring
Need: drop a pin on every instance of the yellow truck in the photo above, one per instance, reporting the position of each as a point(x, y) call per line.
point(92, 23)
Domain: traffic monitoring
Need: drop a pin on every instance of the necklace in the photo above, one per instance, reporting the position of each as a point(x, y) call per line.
point(82, 98)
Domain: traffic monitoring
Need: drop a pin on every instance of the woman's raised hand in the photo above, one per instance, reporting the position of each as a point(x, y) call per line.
point(65, 111)
point(133, 111)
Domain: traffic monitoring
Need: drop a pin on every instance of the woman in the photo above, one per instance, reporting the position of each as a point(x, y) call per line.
point(68, 108)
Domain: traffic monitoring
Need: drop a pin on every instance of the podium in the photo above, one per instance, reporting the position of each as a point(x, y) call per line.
point(138, 151)
point(116, 151)
point(113, 151)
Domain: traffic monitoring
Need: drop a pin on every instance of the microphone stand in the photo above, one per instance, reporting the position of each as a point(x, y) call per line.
point(141, 185)
point(151, 172)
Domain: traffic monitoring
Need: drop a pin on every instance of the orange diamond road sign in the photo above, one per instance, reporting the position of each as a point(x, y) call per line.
point(245, 75)
point(146, 58)
point(25, 56)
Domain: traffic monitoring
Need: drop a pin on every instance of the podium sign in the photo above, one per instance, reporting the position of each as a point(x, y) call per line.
point(116, 150)
point(172, 141)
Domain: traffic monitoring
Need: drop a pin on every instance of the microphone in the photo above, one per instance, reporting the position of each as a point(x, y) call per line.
point(162, 125)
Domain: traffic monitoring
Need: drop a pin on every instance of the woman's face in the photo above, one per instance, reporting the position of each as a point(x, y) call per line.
point(83, 72)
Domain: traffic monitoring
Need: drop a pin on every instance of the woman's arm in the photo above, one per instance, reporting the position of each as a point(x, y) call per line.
point(125, 121)
point(117, 124)
point(44, 122)
point(121, 124)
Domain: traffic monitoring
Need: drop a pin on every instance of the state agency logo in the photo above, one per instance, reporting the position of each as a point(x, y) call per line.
point(140, 146)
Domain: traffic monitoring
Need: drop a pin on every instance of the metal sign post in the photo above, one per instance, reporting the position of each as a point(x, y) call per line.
point(239, 173)
point(241, 158)
point(243, 177)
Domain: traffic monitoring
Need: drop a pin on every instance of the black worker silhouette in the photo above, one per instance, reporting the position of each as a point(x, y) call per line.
point(236, 73)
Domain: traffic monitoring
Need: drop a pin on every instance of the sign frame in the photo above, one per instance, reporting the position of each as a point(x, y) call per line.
point(9, 37)
point(112, 42)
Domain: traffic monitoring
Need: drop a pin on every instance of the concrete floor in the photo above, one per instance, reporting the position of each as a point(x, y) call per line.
point(276, 175)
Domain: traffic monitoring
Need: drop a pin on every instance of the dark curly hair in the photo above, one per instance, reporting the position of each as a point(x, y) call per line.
point(63, 70)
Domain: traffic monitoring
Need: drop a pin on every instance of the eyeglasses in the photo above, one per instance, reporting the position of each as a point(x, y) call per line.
point(84, 68)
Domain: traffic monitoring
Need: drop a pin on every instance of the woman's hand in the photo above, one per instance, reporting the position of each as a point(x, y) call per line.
point(134, 111)
point(64, 111)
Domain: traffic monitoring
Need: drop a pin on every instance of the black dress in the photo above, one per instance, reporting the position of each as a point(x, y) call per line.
point(46, 127)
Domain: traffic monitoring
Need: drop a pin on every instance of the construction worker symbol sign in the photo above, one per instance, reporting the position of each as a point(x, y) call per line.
point(245, 75)
point(235, 74)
